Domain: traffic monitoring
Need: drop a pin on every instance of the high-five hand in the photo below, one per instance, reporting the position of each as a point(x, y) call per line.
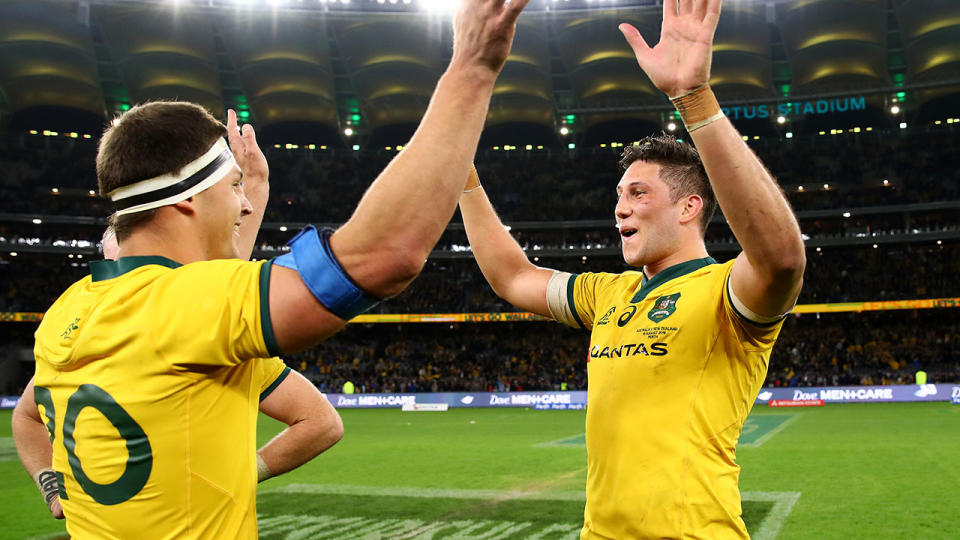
point(680, 62)
point(483, 33)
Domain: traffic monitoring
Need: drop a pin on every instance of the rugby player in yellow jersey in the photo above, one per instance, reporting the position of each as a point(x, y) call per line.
point(679, 348)
point(148, 371)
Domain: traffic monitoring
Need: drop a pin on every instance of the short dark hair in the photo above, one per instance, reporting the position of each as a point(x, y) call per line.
point(150, 140)
point(680, 168)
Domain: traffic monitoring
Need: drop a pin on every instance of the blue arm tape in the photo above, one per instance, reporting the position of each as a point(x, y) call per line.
point(311, 257)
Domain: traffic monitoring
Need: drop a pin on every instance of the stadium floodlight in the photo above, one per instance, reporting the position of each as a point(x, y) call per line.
point(939, 242)
point(37, 221)
point(348, 132)
point(55, 190)
point(283, 228)
point(92, 192)
point(799, 188)
point(439, 6)
point(826, 186)
point(672, 126)
point(886, 182)
point(564, 130)
point(903, 125)
point(895, 109)
point(846, 214)
point(781, 119)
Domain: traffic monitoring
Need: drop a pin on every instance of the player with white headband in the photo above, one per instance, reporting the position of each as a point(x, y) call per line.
point(154, 362)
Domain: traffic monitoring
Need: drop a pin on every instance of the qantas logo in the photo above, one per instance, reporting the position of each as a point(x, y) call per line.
point(629, 349)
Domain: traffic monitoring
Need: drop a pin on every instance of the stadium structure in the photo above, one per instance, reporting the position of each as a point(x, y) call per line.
point(854, 105)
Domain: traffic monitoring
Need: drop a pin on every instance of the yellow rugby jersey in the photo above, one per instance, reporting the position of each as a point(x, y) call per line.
point(149, 376)
point(673, 372)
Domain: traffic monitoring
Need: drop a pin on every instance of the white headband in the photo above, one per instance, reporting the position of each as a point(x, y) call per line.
point(195, 177)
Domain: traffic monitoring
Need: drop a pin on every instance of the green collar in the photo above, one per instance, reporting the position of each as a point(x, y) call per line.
point(666, 275)
point(103, 270)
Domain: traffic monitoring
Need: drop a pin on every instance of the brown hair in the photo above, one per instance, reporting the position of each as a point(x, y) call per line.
point(151, 140)
point(680, 168)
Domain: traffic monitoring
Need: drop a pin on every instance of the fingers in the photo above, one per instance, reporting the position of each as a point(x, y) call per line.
point(669, 9)
point(684, 7)
point(55, 509)
point(248, 134)
point(513, 9)
point(712, 15)
point(233, 132)
point(636, 41)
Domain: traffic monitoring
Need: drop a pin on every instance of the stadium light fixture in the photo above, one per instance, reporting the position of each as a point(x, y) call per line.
point(799, 188)
point(874, 246)
point(903, 125)
point(283, 228)
point(781, 120)
point(789, 134)
point(37, 221)
point(70, 256)
point(818, 250)
point(939, 242)
point(55, 190)
point(564, 130)
point(886, 182)
point(671, 126)
point(895, 109)
point(13, 253)
point(846, 214)
point(348, 132)
point(826, 187)
point(92, 193)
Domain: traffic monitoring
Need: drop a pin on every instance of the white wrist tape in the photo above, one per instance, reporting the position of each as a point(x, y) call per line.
point(263, 471)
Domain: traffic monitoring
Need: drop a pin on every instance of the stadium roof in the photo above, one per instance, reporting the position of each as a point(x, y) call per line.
point(371, 64)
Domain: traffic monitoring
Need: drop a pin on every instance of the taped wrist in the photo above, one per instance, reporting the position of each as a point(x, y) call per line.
point(310, 255)
point(263, 471)
point(46, 480)
point(698, 108)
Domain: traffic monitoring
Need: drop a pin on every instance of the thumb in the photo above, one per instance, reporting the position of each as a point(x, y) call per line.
point(639, 45)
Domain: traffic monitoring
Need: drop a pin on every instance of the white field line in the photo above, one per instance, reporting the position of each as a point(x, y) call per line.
point(766, 436)
point(768, 529)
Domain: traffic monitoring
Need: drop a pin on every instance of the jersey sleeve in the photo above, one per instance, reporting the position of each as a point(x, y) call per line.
point(585, 292)
point(752, 335)
point(213, 313)
point(270, 372)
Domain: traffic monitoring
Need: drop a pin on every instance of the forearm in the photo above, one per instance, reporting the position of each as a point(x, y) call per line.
point(403, 214)
point(300, 443)
point(752, 202)
point(497, 253)
point(32, 441)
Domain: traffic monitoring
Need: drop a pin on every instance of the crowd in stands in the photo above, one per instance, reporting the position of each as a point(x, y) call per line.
point(323, 187)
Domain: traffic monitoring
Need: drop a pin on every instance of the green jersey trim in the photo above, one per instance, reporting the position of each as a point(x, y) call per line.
point(104, 270)
point(273, 386)
point(266, 325)
point(668, 274)
point(573, 305)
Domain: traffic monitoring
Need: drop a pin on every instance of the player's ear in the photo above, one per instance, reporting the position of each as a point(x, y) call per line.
point(187, 206)
point(692, 206)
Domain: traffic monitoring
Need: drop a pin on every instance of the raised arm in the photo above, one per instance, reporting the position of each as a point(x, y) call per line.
point(32, 440)
point(256, 179)
point(385, 243)
point(768, 274)
point(501, 259)
point(314, 426)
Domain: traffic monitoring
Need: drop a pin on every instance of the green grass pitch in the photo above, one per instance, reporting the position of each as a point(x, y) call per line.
point(841, 471)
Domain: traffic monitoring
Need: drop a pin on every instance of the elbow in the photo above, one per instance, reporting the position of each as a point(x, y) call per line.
point(331, 434)
point(399, 270)
point(789, 267)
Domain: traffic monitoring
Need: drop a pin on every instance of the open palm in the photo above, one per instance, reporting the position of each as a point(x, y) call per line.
point(680, 62)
